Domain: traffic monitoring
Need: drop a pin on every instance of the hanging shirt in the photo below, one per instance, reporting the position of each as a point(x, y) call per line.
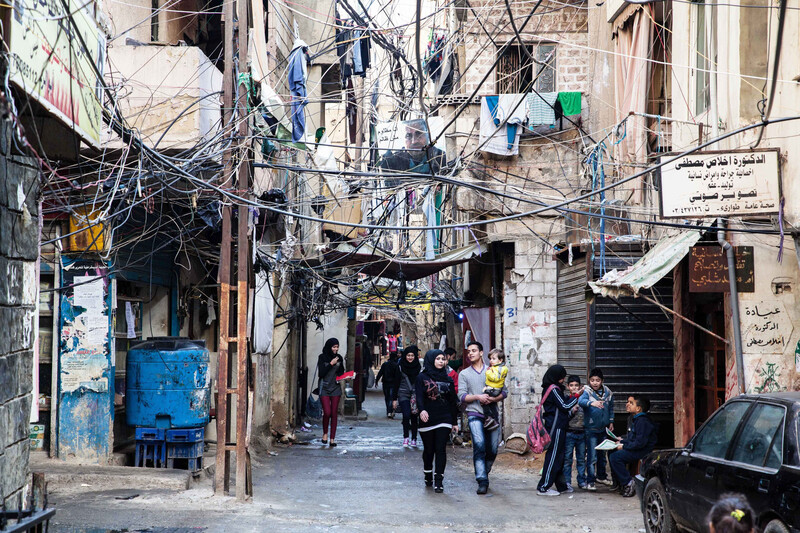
point(298, 73)
point(570, 103)
point(541, 109)
point(511, 109)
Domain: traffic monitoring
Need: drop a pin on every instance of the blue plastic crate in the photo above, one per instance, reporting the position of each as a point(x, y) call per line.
point(192, 452)
point(151, 434)
point(154, 452)
point(186, 435)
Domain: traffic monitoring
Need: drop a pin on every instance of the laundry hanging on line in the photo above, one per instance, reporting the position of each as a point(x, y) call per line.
point(354, 49)
point(299, 61)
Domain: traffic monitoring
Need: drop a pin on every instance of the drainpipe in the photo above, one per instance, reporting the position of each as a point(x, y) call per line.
point(737, 325)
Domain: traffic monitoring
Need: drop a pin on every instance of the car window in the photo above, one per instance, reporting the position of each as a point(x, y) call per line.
point(714, 438)
point(761, 440)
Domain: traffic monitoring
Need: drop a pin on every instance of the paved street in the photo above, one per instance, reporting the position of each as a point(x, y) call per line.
point(368, 483)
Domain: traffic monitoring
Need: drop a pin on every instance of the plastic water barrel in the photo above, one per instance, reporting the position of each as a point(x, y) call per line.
point(168, 383)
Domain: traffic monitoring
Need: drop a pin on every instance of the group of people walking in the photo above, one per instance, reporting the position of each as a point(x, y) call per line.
point(430, 395)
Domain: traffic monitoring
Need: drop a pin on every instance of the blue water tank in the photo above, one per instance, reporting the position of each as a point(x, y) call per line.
point(168, 383)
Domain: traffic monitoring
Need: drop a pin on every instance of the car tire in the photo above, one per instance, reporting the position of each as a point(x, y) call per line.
point(655, 509)
point(776, 526)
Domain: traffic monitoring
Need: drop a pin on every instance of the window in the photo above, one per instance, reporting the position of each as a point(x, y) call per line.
point(714, 438)
point(761, 441)
point(154, 20)
point(702, 77)
point(516, 73)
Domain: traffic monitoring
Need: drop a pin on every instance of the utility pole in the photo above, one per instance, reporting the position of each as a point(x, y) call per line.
point(234, 290)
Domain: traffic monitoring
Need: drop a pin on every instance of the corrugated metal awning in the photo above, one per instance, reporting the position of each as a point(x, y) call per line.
point(648, 270)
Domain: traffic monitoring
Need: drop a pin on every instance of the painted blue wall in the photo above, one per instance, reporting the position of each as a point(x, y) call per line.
point(86, 365)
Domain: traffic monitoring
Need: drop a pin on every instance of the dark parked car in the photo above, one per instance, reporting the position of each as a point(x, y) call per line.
point(750, 446)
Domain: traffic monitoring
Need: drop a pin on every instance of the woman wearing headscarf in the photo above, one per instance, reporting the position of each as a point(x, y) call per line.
point(438, 415)
point(329, 367)
point(555, 416)
point(409, 370)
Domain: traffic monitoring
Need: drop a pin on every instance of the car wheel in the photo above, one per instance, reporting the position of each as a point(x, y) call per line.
point(655, 510)
point(776, 526)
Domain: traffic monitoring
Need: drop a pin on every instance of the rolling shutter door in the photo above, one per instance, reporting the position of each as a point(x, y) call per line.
point(571, 321)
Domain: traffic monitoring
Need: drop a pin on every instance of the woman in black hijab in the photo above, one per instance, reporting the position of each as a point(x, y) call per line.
point(555, 416)
point(329, 367)
point(409, 370)
point(438, 414)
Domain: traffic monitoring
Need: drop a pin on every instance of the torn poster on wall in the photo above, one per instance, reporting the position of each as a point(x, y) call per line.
point(85, 326)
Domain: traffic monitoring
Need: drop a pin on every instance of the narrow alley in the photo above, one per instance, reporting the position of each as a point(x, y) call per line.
point(367, 483)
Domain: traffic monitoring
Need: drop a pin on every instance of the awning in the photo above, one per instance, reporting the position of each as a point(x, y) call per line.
point(374, 262)
point(648, 270)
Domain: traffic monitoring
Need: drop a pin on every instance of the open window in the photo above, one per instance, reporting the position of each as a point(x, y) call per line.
point(517, 73)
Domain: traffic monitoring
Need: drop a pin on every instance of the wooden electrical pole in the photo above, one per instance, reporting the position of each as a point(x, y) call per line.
point(234, 290)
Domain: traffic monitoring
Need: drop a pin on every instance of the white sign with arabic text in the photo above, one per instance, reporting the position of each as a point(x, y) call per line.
point(711, 184)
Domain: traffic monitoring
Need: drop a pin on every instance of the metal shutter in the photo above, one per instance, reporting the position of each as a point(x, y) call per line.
point(633, 357)
point(572, 320)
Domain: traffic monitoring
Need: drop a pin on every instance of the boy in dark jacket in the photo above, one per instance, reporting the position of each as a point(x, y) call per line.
point(640, 440)
point(597, 401)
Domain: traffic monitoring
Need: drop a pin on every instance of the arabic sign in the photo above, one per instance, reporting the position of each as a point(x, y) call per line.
point(391, 135)
point(711, 184)
point(49, 63)
point(708, 269)
point(766, 327)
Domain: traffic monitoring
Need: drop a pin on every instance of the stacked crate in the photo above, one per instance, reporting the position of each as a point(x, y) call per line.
point(185, 444)
point(151, 446)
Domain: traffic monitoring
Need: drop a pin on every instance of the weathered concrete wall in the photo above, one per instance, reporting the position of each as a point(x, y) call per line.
point(529, 320)
point(176, 102)
point(19, 231)
point(769, 320)
point(567, 28)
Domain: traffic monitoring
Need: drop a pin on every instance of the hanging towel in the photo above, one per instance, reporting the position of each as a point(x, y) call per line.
point(570, 103)
point(429, 209)
point(493, 139)
point(511, 106)
point(541, 109)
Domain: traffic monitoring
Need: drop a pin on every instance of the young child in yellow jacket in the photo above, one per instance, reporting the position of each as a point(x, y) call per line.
point(495, 381)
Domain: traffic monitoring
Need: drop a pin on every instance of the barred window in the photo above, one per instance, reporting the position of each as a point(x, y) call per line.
point(516, 73)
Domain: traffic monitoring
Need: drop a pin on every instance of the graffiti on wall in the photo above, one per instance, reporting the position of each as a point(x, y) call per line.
point(768, 376)
point(766, 327)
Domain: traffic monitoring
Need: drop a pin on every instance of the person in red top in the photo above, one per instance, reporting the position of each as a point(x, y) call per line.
point(452, 374)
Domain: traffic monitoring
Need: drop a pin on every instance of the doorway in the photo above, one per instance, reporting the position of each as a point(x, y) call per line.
point(709, 359)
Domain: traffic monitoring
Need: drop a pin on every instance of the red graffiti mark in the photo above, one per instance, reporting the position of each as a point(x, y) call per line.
point(731, 381)
point(533, 324)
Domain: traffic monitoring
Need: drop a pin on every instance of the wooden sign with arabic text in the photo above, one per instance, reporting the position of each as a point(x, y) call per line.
point(708, 269)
